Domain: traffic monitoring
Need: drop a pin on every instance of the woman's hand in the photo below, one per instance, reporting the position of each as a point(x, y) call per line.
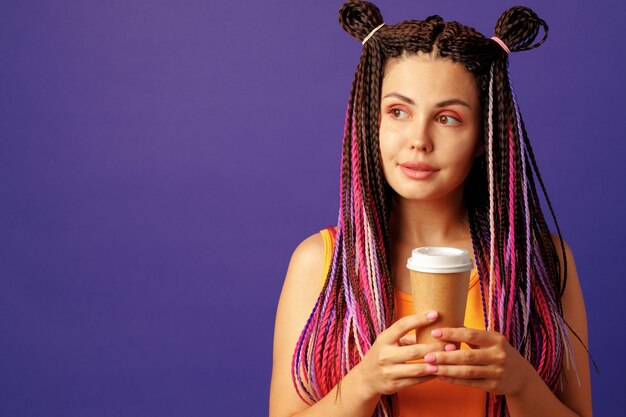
point(492, 364)
point(385, 369)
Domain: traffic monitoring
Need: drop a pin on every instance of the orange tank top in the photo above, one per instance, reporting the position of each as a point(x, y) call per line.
point(433, 398)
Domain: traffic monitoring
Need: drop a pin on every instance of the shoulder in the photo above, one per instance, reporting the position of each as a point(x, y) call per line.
point(300, 291)
point(568, 261)
point(309, 253)
point(303, 280)
point(572, 298)
point(577, 396)
point(559, 250)
point(307, 263)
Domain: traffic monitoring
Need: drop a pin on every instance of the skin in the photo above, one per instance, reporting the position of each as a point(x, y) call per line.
point(429, 113)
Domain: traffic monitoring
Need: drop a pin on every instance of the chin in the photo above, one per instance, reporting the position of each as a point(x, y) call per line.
point(426, 193)
point(417, 195)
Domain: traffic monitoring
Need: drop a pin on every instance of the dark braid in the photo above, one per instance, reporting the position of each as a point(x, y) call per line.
point(519, 271)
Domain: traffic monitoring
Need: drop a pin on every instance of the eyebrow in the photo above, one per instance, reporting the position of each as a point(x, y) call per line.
point(444, 103)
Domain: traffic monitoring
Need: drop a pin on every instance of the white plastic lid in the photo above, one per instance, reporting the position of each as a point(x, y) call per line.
point(439, 259)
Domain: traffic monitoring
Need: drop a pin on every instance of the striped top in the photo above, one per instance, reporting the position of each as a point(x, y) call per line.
point(433, 398)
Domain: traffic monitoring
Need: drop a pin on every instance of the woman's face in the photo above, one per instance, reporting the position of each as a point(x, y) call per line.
point(430, 126)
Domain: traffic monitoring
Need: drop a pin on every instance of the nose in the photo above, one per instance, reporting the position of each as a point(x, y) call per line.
point(421, 140)
point(422, 145)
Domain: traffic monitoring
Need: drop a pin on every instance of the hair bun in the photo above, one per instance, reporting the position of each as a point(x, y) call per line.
point(359, 18)
point(518, 28)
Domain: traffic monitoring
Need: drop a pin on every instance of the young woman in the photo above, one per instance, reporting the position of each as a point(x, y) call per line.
point(435, 153)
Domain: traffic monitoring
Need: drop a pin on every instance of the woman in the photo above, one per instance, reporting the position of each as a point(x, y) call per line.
point(435, 153)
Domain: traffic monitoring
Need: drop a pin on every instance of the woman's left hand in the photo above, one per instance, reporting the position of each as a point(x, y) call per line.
point(492, 364)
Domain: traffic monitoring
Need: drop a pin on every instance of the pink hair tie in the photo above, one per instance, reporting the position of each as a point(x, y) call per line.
point(501, 43)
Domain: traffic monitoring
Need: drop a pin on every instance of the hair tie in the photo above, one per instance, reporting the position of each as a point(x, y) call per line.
point(501, 43)
point(372, 33)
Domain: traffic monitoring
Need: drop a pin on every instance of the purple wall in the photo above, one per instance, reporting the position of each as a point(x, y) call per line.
point(160, 160)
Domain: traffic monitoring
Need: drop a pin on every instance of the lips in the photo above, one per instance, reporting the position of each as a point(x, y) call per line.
point(419, 166)
point(418, 170)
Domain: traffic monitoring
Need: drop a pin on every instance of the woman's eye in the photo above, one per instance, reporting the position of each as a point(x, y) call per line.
point(398, 113)
point(446, 119)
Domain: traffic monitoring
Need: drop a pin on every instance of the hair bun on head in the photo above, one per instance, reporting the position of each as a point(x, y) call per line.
point(518, 28)
point(359, 18)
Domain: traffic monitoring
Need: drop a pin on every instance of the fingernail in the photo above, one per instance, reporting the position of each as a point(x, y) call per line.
point(436, 333)
point(431, 368)
point(431, 315)
point(430, 358)
point(448, 348)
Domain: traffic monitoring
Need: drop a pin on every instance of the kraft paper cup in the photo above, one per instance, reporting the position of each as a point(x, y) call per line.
point(439, 282)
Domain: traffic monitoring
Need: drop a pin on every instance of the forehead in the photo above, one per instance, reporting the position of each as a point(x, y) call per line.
point(427, 78)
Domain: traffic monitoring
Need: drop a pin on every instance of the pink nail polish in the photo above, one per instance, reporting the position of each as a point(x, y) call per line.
point(430, 358)
point(449, 347)
point(432, 315)
point(436, 333)
point(431, 368)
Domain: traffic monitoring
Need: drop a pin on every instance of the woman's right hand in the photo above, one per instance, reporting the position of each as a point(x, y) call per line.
point(385, 368)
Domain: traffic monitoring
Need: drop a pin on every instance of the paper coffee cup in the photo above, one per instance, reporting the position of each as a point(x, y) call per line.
point(439, 282)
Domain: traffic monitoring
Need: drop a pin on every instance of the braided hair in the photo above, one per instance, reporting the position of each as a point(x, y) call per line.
point(520, 275)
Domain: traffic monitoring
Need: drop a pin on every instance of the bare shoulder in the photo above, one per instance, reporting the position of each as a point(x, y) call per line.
point(573, 303)
point(573, 292)
point(577, 396)
point(559, 251)
point(310, 252)
point(306, 264)
point(301, 289)
point(303, 280)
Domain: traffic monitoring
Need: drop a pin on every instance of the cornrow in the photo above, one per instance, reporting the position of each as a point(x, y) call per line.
point(518, 267)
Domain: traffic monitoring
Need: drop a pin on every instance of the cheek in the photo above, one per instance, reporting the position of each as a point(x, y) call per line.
point(389, 141)
point(388, 151)
point(462, 155)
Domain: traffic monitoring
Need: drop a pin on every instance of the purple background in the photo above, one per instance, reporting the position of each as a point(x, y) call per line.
point(160, 160)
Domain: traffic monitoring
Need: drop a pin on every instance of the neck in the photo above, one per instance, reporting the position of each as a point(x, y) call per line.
point(429, 223)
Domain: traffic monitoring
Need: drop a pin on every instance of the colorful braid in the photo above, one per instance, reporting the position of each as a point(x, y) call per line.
point(525, 306)
point(356, 302)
